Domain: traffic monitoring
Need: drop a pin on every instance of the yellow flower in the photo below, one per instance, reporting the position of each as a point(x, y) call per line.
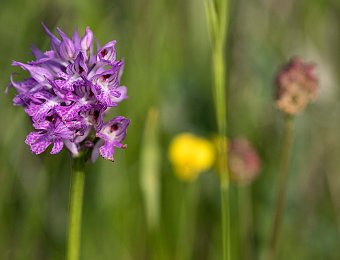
point(191, 155)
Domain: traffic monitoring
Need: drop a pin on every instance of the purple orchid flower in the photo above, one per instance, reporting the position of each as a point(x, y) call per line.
point(70, 88)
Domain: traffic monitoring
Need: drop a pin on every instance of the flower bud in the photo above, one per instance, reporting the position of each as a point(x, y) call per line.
point(66, 48)
point(86, 40)
point(55, 42)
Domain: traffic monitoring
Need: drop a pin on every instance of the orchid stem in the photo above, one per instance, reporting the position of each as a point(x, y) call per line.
point(283, 178)
point(75, 209)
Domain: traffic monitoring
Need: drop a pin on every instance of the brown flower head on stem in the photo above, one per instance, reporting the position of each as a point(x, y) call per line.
point(297, 85)
point(244, 161)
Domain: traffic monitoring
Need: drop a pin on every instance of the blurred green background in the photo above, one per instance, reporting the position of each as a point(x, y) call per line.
point(166, 49)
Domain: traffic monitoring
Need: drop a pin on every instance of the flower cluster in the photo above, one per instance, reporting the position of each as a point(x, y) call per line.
point(297, 85)
point(69, 89)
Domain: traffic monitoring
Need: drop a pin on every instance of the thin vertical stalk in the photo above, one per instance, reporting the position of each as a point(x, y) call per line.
point(217, 18)
point(221, 111)
point(75, 209)
point(187, 221)
point(150, 169)
point(225, 214)
point(245, 221)
point(282, 185)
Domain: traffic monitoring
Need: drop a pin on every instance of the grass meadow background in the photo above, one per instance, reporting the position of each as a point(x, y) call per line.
point(166, 49)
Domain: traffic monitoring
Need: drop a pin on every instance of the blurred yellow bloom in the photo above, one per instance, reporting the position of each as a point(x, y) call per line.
point(191, 155)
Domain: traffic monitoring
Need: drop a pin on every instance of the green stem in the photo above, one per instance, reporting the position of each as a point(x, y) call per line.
point(219, 68)
point(283, 178)
point(187, 221)
point(225, 214)
point(217, 18)
point(75, 209)
point(245, 221)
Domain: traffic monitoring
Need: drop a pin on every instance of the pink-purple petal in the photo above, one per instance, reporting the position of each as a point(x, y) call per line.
point(107, 151)
point(57, 147)
point(37, 142)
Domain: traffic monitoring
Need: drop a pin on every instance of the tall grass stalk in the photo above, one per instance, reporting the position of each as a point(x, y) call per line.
point(282, 184)
point(75, 209)
point(150, 169)
point(217, 18)
point(150, 182)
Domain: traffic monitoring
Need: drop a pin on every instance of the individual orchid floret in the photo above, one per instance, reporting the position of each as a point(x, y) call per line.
point(107, 52)
point(49, 133)
point(70, 88)
point(112, 133)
